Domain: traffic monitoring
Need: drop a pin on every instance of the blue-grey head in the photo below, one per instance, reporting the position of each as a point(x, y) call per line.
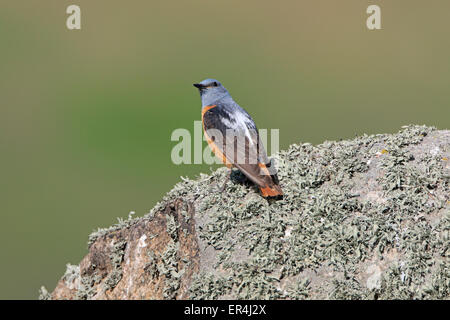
point(211, 90)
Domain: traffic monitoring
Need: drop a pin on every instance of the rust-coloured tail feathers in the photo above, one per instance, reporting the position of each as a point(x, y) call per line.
point(271, 191)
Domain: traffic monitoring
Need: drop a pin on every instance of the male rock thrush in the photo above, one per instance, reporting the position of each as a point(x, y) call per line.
point(233, 137)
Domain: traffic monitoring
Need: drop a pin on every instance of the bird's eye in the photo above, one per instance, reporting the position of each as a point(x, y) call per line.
point(215, 84)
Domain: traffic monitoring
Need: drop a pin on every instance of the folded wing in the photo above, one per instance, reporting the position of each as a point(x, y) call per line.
point(234, 138)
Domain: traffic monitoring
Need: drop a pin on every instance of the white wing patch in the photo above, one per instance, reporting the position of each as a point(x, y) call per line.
point(243, 121)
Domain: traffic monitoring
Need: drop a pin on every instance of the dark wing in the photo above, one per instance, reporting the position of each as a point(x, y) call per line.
point(234, 133)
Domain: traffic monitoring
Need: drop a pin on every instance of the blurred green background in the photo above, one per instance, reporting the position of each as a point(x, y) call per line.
point(86, 116)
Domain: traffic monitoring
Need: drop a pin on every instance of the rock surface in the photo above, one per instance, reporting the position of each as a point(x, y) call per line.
point(366, 218)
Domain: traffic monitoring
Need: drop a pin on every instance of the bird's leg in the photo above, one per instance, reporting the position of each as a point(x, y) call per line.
point(226, 180)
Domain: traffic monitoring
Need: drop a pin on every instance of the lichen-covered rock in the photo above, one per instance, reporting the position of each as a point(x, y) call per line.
point(148, 258)
point(366, 218)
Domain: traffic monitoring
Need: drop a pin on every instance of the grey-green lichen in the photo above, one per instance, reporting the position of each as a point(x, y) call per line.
point(86, 289)
point(86, 284)
point(345, 203)
point(151, 266)
point(366, 218)
point(209, 286)
point(172, 227)
point(121, 223)
point(168, 267)
point(116, 257)
point(44, 294)
point(299, 290)
point(72, 274)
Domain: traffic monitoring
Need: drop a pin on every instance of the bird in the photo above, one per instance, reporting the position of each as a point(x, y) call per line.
point(233, 137)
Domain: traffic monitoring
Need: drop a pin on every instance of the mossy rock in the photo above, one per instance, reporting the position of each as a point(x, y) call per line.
point(366, 218)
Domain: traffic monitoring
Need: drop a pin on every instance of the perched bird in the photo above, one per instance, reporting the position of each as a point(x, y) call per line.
point(233, 137)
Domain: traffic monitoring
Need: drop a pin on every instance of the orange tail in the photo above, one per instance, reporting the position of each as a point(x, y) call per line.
point(273, 191)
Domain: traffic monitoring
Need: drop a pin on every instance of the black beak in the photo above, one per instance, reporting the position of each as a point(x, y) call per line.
point(198, 85)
